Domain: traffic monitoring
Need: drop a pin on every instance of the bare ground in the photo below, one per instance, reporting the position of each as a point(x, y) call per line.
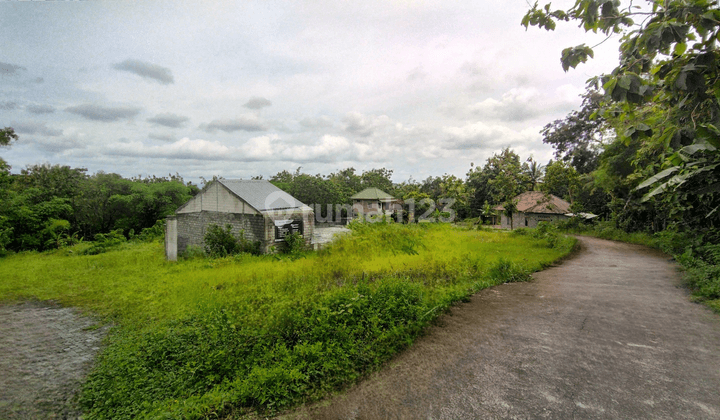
point(45, 352)
point(608, 334)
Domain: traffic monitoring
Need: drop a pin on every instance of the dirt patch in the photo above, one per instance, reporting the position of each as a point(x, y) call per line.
point(46, 352)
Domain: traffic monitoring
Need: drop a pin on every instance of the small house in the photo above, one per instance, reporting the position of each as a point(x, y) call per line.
point(374, 201)
point(262, 211)
point(534, 207)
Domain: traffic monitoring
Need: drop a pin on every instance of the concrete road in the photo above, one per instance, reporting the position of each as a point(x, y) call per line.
point(608, 334)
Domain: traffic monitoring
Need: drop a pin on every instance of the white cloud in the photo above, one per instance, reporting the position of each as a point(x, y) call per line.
point(181, 149)
point(168, 120)
point(319, 122)
point(364, 125)
point(479, 135)
point(261, 148)
point(328, 149)
point(257, 103)
point(516, 105)
point(102, 113)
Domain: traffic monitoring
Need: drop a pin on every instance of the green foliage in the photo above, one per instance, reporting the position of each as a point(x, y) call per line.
point(505, 271)
point(335, 189)
point(548, 232)
point(193, 252)
point(660, 103)
point(294, 244)
point(561, 180)
point(155, 232)
point(97, 204)
point(502, 178)
point(58, 232)
point(577, 138)
point(378, 178)
point(220, 242)
point(510, 208)
point(194, 340)
point(7, 136)
point(104, 242)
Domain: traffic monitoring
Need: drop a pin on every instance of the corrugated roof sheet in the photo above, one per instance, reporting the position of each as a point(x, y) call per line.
point(372, 194)
point(261, 194)
point(540, 202)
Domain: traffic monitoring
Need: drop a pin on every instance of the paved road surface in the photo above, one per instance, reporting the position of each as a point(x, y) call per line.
point(609, 334)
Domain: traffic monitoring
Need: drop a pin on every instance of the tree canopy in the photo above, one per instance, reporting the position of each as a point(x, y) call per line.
point(661, 102)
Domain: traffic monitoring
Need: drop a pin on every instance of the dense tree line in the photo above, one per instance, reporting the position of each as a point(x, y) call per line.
point(47, 206)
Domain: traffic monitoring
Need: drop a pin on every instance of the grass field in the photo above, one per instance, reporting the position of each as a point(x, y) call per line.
point(202, 338)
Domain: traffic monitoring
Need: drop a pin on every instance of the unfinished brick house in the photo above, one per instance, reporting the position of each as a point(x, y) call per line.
point(264, 212)
point(534, 207)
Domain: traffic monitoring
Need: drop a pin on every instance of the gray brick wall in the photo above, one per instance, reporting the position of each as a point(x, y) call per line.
point(191, 227)
point(530, 220)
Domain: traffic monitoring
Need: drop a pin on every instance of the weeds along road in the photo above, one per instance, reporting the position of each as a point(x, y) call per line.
point(609, 334)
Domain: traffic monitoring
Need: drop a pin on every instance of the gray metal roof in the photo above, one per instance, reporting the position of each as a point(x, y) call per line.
point(261, 194)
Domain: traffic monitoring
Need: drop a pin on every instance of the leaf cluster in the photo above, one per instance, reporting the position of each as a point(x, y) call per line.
point(661, 101)
point(221, 242)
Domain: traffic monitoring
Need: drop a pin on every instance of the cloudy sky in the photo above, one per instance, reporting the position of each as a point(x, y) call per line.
point(244, 88)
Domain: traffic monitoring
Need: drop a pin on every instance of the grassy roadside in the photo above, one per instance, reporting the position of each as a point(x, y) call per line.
point(699, 259)
point(203, 338)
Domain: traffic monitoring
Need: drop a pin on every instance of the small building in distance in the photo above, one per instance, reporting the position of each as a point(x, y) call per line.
point(264, 213)
point(374, 201)
point(534, 207)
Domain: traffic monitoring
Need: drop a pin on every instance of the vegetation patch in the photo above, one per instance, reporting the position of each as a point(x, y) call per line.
point(206, 337)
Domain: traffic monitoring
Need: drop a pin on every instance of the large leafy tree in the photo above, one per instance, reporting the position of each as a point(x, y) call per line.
point(561, 179)
point(661, 100)
point(378, 178)
point(501, 178)
point(7, 136)
point(577, 138)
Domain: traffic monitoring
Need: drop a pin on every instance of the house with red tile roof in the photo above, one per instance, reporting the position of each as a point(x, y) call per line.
point(534, 207)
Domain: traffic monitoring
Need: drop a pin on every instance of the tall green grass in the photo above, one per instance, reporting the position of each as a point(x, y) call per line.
point(203, 338)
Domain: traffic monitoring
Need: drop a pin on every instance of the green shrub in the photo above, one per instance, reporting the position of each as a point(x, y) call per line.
point(521, 231)
point(505, 271)
point(157, 231)
point(193, 252)
point(294, 244)
point(220, 242)
point(104, 242)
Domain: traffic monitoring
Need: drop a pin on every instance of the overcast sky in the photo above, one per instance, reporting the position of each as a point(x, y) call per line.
point(244, 88)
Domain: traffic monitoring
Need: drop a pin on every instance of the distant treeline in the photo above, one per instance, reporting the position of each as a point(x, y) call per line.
point(504, 176)
point(47, 206)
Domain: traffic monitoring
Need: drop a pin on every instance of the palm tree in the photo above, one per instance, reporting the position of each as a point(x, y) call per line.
point(534, 171)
